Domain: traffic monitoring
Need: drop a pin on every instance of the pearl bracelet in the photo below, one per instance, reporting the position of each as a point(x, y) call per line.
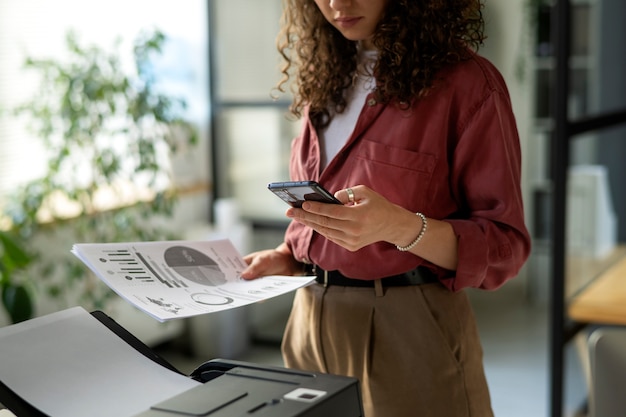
point(419, 236)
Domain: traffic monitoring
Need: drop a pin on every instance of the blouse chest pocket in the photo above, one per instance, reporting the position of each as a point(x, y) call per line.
point(401, 175)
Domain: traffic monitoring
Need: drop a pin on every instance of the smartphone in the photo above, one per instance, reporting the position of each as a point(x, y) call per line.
point(295, 193)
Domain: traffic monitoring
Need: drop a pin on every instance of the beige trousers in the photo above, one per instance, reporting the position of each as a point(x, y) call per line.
point(415, 349)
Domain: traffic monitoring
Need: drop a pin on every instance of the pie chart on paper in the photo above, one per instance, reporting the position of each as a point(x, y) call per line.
point(194, 266)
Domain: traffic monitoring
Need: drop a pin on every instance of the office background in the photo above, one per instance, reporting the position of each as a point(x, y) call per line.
point(221, 58)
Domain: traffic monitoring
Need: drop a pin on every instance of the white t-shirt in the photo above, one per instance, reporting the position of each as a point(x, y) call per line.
point(336, 134)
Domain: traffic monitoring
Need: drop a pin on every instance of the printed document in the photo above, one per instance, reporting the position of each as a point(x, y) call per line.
point(176, 279)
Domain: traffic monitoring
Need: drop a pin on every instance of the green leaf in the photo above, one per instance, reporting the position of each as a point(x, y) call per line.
point(12, 255)
point(18, 301)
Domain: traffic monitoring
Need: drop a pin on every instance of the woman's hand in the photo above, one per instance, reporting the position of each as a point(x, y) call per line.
point(368, 217)
point(277, 261)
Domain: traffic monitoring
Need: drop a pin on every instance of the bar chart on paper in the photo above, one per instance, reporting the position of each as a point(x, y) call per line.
point(176, 279)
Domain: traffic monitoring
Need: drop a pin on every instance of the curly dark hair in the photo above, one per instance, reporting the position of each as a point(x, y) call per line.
point(415, 39)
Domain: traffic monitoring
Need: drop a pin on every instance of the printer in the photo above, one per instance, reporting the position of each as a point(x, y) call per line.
point(234, 388)
point(74, 363)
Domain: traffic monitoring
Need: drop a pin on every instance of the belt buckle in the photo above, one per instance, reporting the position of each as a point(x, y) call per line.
point(314, 271)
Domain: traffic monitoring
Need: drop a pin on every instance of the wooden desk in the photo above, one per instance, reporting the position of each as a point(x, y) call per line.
point(580, 271)
point(603, 301)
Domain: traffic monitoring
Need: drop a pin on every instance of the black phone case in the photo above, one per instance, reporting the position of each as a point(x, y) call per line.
point(295, 193)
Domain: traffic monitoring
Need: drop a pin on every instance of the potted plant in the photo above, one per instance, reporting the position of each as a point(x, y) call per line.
point(108, 136)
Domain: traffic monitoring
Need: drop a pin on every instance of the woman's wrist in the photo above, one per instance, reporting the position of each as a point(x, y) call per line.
point(418, 238)
point(284, 249)
point(405, 229)
point(295, 267)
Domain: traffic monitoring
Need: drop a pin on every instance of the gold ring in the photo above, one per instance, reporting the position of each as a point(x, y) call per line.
point(350, 195)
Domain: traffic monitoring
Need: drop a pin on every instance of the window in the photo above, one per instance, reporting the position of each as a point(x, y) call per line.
point(252, 131)
point(37, 28)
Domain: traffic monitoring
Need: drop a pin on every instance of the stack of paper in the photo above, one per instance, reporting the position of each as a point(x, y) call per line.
point(69, 364)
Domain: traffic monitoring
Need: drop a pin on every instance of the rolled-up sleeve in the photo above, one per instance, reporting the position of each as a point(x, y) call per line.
point(493, 241)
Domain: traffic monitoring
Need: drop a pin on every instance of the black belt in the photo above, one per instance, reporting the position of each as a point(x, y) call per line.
point(418, 276)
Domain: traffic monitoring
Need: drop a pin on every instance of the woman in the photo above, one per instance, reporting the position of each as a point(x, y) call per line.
point(414, 133)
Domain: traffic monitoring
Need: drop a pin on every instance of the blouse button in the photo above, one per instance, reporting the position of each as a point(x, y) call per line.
point(371, 102)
